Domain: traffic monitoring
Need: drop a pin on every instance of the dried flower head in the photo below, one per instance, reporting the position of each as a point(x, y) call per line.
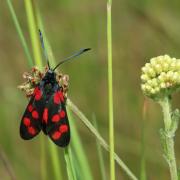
point(33, 78)
point(160, 77)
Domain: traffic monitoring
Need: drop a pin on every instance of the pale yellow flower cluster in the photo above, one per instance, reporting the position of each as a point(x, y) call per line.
point(161, 76)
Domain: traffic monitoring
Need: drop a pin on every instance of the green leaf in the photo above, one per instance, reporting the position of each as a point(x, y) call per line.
point(175, 121)
point(163, 136)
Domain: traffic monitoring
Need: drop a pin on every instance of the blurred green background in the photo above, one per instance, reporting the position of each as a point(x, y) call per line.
point(141, 29)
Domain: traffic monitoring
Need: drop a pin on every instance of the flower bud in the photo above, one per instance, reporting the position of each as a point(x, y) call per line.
point(160, 77)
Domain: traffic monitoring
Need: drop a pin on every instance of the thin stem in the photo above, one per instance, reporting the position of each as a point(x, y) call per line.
point(33, 33)
point(47, 46)
point(169, 138)
point(110, 91)
point(101, 141)
point(7, 165)
point(55, 161)
point(43, 159)
point(20, 33)
point(70, 170)
point(172, 159)
point(72, 162)
point(100, 153)
point(143, 155)
point(166, 107)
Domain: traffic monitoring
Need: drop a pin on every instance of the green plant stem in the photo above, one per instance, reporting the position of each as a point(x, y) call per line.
point(100, 153)
point(20, 33)
point(55, 161)
point(70, 170)
point(169, 137)
point(143, 158)
point(7, 165)
point(110, 91)
point(40, 24)
point(43, 159)
point(33, 33)
point(166, 107)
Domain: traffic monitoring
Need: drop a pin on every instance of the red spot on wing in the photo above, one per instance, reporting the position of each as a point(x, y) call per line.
point(56, 118)
point(45, 115)
point(31, 130)
point(37, 93)
point(26, 121)
point(63, 128)
point(30, 108)
point(62, 113)
point(35, 115)
point(56, 135)
point(61, 96)
point(58, 97)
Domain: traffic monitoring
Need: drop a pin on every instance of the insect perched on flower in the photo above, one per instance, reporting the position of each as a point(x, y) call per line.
point(46, 109)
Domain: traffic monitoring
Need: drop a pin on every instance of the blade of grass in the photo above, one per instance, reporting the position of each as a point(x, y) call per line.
point(143, 160)
point(46, 42)
point(33, 33)
point(102, 142)
point(70, 168)
point(110, 91)
point(100, 154)
point(55, 161)
point(43, 160)
point(72, 162)
point(79, 150)
point(20, 33)
point(7, 165)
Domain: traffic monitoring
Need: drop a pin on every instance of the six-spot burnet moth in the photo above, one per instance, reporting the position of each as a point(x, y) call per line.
point(46, 109)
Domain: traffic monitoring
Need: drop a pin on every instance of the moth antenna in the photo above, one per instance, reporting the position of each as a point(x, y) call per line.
point(72, 56)
point(43, 47)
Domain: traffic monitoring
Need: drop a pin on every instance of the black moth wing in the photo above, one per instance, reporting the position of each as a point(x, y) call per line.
point(55, 117)
point(31, 121)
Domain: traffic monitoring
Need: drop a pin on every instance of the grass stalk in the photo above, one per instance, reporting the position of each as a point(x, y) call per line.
point(102, 142)
point(55, 161)
point(7, 165)
point(46, 42)
point(110, 91)
point(72, 162)
point(34, 35)
point(70, 168)
point(20, 33)
point(100, 153)
point(143, 158)
point(43, 159)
